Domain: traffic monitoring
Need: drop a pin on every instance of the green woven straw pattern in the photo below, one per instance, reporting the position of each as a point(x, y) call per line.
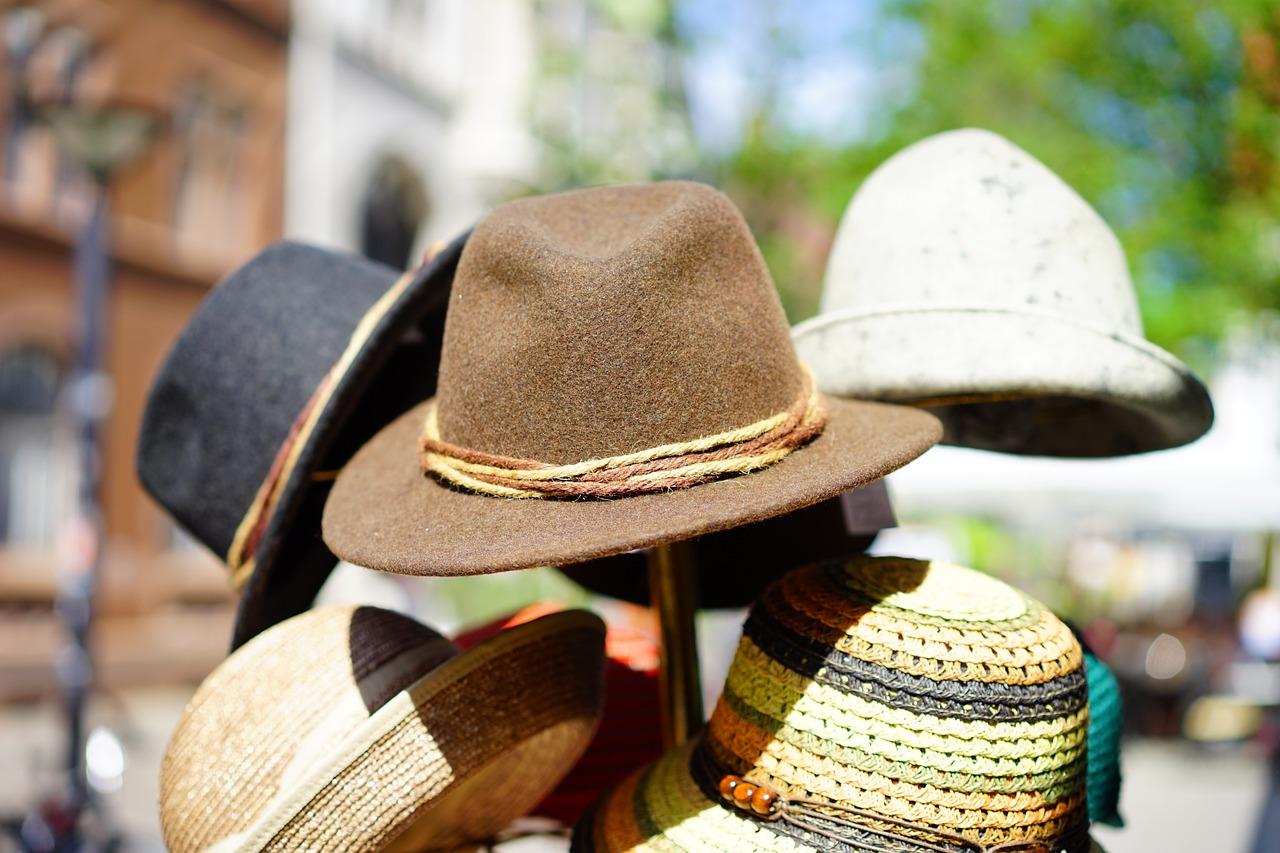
point(1106, 724)
point(908, 691)
point(981, 691)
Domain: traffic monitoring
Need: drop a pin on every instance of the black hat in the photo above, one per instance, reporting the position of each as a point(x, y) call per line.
point(734, 566)
point(288, 366)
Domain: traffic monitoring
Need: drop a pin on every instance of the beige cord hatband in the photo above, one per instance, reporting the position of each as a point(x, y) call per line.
point(242, 555)
point(657, 469)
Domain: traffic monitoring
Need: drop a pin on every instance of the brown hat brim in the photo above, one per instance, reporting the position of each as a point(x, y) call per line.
point(384, 513)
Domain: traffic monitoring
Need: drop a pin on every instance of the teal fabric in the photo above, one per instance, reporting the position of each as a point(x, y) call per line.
point(1106, 722)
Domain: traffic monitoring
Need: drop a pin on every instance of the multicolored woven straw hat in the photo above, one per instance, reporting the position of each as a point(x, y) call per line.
point(878, 704)
point(360, 729)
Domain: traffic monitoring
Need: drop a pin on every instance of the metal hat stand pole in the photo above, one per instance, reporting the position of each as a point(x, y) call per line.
point(674, 593)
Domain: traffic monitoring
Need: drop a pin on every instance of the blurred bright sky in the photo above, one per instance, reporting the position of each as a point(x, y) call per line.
point(841, 64)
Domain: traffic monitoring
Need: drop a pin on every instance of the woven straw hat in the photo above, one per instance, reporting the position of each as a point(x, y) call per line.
point(878, 704)
point(969, 278)
point(630, 732)
point(1106, 726)
point(617, 373)
point(287, 367)
point(360, 729)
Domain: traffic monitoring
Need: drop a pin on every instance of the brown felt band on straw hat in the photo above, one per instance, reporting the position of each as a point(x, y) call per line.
point(241, 555)
point(421, 746)
point(657, 469)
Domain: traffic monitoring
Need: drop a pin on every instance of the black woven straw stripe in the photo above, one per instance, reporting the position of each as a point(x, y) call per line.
point(968, 700)
point(778, 608)
point(836, 576)
point(1076, 841)
point(898, 770)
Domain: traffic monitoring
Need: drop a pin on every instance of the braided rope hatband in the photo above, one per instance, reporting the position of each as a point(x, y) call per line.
point(657, 469)
point(242, 556)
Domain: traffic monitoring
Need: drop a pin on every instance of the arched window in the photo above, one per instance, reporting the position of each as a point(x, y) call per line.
point(211, 128)
point(394, 208)
point(35, 465)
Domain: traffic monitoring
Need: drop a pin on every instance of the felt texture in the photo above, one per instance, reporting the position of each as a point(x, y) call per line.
point(592, 323)
point(967, 276)
point(1071, 391)
point(244, 367)
point(385, 514)
point(608, 320)
point(734, 566)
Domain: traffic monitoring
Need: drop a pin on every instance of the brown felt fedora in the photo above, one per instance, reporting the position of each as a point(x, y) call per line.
point(617, 373)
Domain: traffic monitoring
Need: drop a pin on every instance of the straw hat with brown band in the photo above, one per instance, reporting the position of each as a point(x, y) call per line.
point(360, 729)
point(882, 705)
point(629, 735)
point(286, 368)
point(617, 373)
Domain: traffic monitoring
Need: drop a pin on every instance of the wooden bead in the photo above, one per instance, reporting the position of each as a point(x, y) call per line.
point(762, 801)
point(727, 785)
point(742, 795)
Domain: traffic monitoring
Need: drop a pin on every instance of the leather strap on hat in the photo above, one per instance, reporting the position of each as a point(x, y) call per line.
point(656, 469)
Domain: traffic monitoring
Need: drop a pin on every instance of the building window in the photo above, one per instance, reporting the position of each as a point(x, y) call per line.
point(211, 130)
point(42, 66)
point(36, 460)
point(394, 208)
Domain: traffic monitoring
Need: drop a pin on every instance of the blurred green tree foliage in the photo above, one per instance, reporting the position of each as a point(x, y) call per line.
point(1162, 113)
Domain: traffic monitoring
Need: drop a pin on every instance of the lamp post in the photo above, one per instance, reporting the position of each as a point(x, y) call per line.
point(22, 30)
point(101, 138)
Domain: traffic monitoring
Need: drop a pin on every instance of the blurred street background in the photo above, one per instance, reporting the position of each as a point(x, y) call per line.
point(216, 126)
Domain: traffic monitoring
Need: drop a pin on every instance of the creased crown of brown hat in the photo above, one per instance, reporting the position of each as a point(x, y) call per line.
point(594, 324)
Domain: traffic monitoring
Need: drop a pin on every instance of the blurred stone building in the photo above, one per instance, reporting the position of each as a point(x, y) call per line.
point(206, 193)
point(407, 119)
point(377, 127)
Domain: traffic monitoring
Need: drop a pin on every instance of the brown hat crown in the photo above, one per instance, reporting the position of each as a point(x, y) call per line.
point(608, 320)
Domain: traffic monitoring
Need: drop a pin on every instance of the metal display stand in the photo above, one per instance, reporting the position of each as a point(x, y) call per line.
point(674, 599)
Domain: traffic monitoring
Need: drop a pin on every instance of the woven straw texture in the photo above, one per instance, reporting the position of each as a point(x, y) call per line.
point(925, 693)
point(1106, 725)
point(629, 735)
point(354, 728)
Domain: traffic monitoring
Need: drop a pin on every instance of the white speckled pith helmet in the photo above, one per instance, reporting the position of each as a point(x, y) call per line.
point(968, 278)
